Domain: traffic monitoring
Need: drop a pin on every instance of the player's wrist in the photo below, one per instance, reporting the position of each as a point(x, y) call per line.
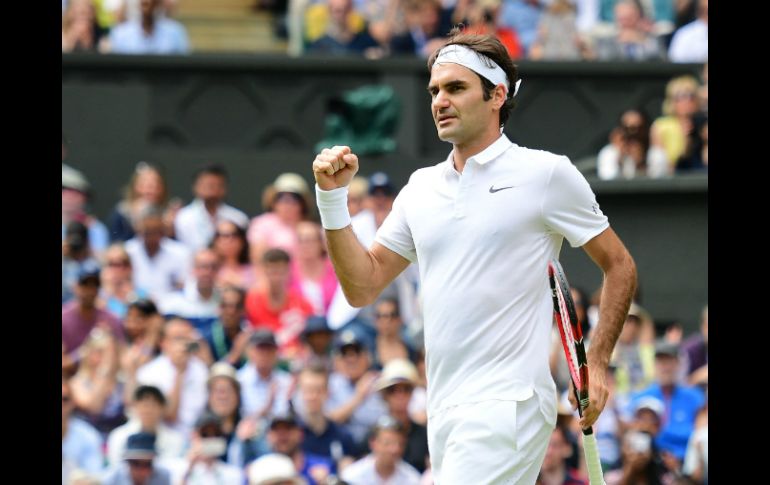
point(333, 207)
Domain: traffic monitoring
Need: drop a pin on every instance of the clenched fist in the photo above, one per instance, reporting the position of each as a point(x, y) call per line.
point(334, 167)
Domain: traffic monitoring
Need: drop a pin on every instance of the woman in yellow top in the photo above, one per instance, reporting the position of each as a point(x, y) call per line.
point(670, 131)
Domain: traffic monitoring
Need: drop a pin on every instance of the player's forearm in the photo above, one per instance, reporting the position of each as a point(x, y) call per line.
point(617, 292)
point(356, 268)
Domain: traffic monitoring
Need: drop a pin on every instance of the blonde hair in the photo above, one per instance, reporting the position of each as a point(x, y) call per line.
point(675, 86)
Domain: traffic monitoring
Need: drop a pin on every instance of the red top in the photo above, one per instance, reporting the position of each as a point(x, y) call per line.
point(286, 322)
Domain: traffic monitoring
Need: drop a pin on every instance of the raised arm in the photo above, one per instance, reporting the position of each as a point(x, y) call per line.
point(362, 273)
point(609, 253)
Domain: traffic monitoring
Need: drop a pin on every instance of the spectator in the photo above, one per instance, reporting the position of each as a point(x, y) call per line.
point(274, 468)
point(696, 459)
point(631, 39)
point(389, 343)
point(681, 402)
point(123, 10)
point(80, 31)
point(427, 28)
point(232, 247)
point(285, 436)
point(558, 38)
point(354, 403)
point(117, 278)
point(195, 224)
point(633, 359)
point(81, 444)
point(643, 462)
point(397, 384)
point(179, 373)
point(229, 334)
point(152, 34)
point(695, 352)
point(696, 153)
point(629, 153)
point(317, 340)
point(198, 302)
point(75, 195)
point(278, 307)
point(95, 388)
point(322, 436)
point(81, 315)
point(265, 389)
point(143, 326)
point(384, 463)
point(147, 187)
point(286, 202)
point(203, 465)
point(357, 190)
point(343, 35)
point(76, 258)
point(148, 407)
point(480, 17)
point(313, 275)
point(160, 264)
point(139, 465)
point(523, 17)
point(671, 130)
point(224, 398)
point(690, 43)
point(555, 470)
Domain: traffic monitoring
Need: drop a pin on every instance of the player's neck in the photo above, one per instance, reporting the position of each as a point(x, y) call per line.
point(463, 151)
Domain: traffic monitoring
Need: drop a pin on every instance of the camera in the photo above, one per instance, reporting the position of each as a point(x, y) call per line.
point(212, 447)
point(639, 441)
point(192, 347)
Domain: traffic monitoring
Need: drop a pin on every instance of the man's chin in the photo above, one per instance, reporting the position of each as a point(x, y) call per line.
point(445, 135)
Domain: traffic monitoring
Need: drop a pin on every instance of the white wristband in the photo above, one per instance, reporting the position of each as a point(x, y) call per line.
point(333, 207)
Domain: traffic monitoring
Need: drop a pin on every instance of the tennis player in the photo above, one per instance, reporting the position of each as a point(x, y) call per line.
point(483, 225)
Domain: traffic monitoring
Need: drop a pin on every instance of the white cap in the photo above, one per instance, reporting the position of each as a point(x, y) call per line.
point(395, 372)
point(273, 468)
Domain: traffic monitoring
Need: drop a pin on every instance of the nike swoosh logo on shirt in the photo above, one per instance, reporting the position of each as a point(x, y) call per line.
point(492, 188)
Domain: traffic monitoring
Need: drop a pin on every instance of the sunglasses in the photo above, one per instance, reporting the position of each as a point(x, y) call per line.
point(140, 463)
point(123, 263)
point(227, 234)
point(386, 315)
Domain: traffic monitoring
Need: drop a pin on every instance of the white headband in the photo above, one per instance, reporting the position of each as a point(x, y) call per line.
point(476, 62)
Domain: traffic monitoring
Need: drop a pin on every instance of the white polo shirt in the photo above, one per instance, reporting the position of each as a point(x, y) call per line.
point(195, 227)
point(159, 275)
point(483, 240)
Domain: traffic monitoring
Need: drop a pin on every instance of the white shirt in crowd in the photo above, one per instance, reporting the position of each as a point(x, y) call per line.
point(195, 228)
point(160, 274)
point(363, 472)
point(160, 372)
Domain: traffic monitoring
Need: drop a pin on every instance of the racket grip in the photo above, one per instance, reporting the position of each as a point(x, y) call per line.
point(595, 476)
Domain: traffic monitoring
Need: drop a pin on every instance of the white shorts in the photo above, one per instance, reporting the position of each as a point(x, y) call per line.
point(489, 442)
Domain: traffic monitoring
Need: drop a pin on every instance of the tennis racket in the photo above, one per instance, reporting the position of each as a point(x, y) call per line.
point(572, 341)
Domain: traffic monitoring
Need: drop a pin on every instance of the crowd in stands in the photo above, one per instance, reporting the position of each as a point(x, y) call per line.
point(202, 345)
point(674, 143)
point(558, 30)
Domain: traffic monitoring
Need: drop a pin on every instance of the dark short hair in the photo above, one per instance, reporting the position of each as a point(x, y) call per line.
point(211, 169)
point(276, 255)
point(392, 301)
point(491, 47)
point(145, 306)
point(149, 392)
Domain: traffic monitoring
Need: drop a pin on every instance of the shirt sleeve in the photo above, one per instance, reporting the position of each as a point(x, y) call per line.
point(395, 233)
point(569, 205)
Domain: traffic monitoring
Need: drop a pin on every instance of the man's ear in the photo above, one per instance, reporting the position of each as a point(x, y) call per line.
point(499, 96)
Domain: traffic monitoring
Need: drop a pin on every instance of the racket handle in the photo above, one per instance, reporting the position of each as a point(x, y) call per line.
point(591, 451)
